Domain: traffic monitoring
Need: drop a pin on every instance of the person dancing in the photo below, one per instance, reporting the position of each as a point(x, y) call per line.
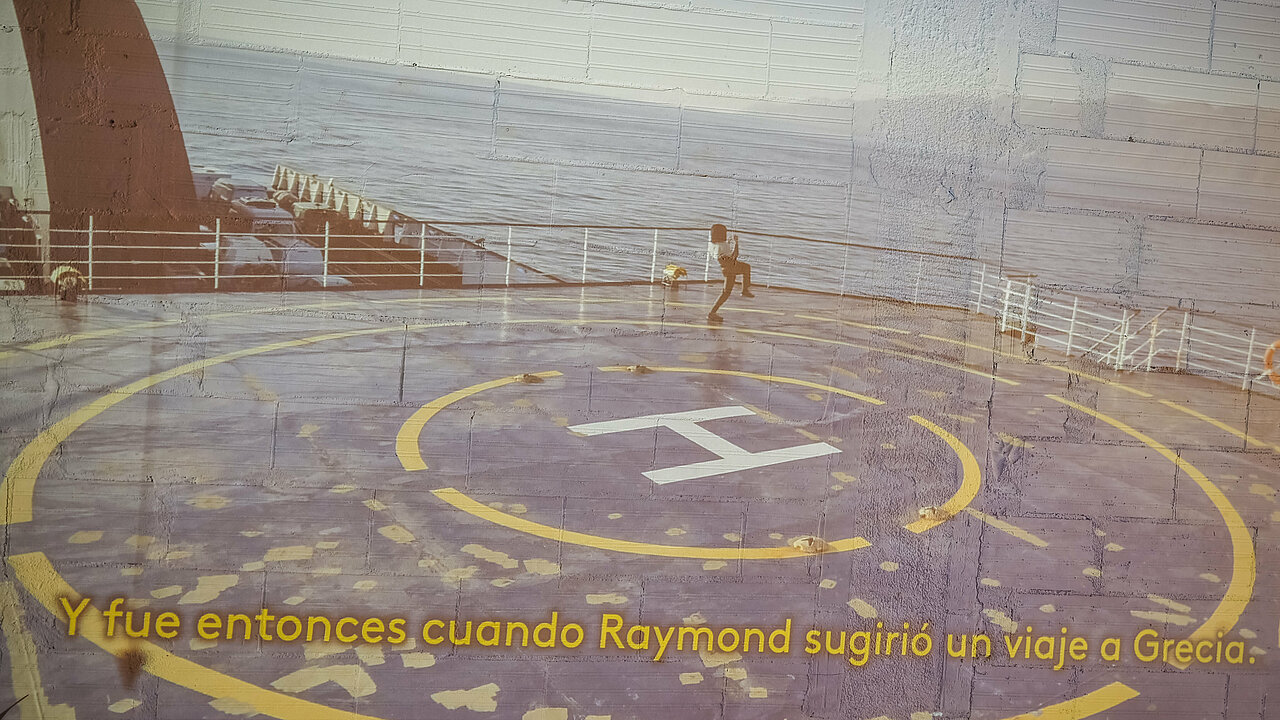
point(730, 266)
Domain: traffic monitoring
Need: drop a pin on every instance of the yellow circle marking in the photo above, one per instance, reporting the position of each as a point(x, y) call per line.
point(409, 451)
point(1244, 570)
point(39, 577)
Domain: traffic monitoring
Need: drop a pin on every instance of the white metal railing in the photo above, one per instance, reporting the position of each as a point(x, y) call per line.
point(1167, 339)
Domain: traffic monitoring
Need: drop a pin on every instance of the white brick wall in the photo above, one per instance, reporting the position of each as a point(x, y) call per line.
point(1115, 175)
point(1177, 254)
point(1240, 189)
point(814, 61)
point(537, 38)
point(1182, 107)
point(1048, 93)
point(1269, 117)
point(1246, 39)
point(1158, 32)
point(1077, 251)
point(654, 47)
point(366, 29)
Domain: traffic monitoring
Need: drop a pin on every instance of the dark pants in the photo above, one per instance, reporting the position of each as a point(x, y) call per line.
point(731, 270)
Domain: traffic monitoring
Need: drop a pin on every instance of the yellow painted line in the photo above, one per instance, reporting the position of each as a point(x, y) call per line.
point(655, 301)
point(18, 486)
point(969, 484)
point(851, 323)
point(756, 376)
point(77, 337)
point(810, 338)
point(478, 298)
point(24, 660)
point(1088, 705)
point(108, 332)
point(1008, 528)
point(407, 447)
point(1244, 559)
point(1059, 368)
point(1221, 425)
point(44, 583)
point(484, 512)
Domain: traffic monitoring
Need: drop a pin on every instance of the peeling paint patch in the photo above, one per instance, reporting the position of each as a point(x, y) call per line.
point(714, 564)
point(500, 559)
point(457, 575)
point(690, 678)
point(737, 673)
point(889, 566)
point(294, 600)
point(139, 541)
point(827, 584)
point(209, 502)
point(477, 699)
point(288, 553)
point(675, 532)
point(317, 650)
point(1171, 604)
point(1263, 491)
point(757, 693)
point(1004, 622)
point(166, 592)
point(84, 537)
point(396, 534)
point(615, 516)
point(1048, 608)
point(1092, 572)
point(209, 588)
point(695, 619)
point(307, 430)
point(375, 504)
point(254, 566)
point(502, 582)
point(351, 678)
point(418, 660)
point(327, 545)
point(370, 654)
point(538, 566)
point(364, 585)
point(605, 599)
point(131, 571)
point(1163, 617)
point(546, 714)
point(1113, 547)
point(1014, 440)
point(251, 533)
point(732, 537)
point(714, 659)
point(1210, 577)
point(124, 706)
point(342, 488)
point(990, 582)
point(863, 608)
point(844, 477)
point(232, 706)
point(202, 644)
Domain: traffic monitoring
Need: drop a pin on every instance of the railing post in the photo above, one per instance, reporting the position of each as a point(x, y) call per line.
point(507, 280)
point(1004, 307)
point(1122, 341)
point(1248, 360)
point(653, 263)
point(1184, 343)
point(1151, 349)
point(326, 254)
point(1071, 328)
point(422, 254)
point(217, 252)
point(586, 235)
point(1026, 310)
point(90, 252)
point(982, 288)
point(706, 263)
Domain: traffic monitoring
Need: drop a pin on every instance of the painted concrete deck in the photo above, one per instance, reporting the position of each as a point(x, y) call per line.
point(221, 454)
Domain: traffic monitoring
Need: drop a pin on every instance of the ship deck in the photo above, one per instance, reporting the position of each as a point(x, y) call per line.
point(463, 455)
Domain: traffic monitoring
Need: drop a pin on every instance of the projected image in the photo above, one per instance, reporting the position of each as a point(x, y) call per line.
point(568, 360)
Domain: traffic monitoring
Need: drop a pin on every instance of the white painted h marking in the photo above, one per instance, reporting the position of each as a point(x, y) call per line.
point(732, 457)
